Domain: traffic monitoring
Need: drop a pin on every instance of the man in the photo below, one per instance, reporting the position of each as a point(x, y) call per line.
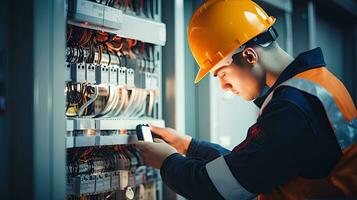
point(303, 144)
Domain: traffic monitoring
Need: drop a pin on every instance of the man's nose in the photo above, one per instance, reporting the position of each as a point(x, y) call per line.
point(225, 85)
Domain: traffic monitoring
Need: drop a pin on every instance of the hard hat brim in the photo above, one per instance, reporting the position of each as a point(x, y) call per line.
point(201, 73)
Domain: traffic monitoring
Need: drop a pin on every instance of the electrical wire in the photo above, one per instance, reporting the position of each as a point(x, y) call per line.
point(84, 108)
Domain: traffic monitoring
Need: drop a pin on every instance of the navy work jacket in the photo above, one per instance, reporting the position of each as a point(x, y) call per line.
point(291, 138)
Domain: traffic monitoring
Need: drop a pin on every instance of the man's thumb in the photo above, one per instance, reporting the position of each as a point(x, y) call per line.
point(159, 140)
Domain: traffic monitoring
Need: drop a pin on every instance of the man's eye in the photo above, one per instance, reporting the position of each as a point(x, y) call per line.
point(222, 75)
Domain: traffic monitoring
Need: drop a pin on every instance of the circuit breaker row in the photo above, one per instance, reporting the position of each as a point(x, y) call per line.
point(92, 171)
point(148, 191)
point(104, 74)
point(111, 181)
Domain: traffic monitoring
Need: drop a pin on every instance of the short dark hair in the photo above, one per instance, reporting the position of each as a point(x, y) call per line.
point(238, 58)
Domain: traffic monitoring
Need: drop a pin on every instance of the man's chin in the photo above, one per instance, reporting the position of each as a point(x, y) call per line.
point(249, 97)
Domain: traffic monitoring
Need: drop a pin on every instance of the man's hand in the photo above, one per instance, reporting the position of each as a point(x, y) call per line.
point(155, 153)
point(179, 142)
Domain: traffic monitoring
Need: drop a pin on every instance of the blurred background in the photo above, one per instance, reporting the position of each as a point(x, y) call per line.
point(32, 52)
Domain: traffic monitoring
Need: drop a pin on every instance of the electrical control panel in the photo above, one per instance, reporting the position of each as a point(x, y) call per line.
point(112, 84)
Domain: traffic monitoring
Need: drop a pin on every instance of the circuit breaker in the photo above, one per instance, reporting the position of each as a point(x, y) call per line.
point(112, 85)
point(102, 74)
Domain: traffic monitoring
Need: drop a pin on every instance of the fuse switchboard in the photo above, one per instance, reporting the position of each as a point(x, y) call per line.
point(113, 83)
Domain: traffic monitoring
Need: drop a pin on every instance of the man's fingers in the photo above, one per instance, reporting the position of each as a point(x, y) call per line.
point(139, 142)
point(158, 131)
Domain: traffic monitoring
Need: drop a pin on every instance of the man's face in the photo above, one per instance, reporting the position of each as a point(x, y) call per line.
point(240, 78)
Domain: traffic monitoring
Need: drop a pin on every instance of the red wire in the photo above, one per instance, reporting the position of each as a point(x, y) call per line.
point(69, 33)
point(142, 48)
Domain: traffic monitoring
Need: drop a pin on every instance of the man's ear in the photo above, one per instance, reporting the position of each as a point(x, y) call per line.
point(250, 55)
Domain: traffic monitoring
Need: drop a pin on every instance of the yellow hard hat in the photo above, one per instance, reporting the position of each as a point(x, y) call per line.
point(219, 27)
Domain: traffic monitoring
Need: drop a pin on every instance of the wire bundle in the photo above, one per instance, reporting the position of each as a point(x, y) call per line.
point(110, 100)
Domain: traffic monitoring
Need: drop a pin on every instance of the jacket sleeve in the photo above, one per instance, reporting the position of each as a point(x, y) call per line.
point(279, 147)
point(205, 150)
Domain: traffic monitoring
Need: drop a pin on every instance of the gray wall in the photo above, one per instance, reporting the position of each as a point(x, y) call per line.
point(338, 42)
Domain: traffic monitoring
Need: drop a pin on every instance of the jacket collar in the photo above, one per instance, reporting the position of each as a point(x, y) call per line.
point(303, 62)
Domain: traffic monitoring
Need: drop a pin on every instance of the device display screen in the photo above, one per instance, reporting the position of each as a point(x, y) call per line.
point(147, 134)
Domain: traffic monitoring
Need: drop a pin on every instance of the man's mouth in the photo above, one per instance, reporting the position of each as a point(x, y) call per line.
point(235, 92)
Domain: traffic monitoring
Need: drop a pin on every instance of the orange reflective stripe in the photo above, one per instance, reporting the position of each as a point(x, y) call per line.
point(327, 80)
